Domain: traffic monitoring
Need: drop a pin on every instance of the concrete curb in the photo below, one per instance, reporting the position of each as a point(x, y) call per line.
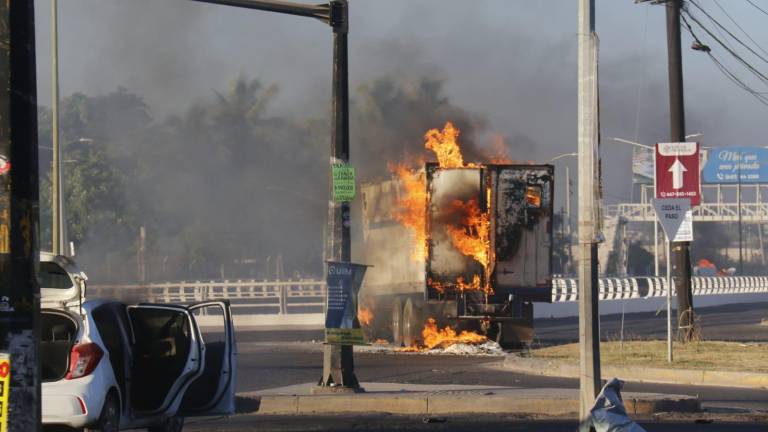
point(458, 403)
point(556, 368)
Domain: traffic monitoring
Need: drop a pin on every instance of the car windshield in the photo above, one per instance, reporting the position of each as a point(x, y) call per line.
point(51, 275)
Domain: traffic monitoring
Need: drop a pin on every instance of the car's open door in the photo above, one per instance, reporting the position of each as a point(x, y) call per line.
point(168, 355)
point(213, 392)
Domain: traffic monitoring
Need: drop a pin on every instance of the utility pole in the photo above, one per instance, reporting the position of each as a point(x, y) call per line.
point(58, 241)
point(20, 303)
point(338, 362)
point(589, 324)
point(569, 228)
point(680, 251)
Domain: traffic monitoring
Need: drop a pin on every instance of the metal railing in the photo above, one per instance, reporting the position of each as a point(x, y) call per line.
point(308, 296)
point(267, 296)
point(566, 289)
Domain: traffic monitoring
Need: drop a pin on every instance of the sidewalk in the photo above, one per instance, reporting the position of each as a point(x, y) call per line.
point(558, 368)
point(393, 398)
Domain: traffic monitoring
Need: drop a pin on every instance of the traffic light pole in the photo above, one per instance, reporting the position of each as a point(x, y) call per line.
point(19, 218)
point(338, 362)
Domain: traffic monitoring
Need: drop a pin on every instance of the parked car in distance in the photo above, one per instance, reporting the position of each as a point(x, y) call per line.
point(107, 365)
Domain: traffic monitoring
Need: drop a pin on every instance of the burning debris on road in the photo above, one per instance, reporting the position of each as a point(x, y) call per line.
point(434, 338)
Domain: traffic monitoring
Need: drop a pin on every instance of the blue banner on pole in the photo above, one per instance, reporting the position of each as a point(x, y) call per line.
point(733, 165)
point(343, 281)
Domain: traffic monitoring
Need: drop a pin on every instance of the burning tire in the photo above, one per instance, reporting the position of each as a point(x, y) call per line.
point(397, 322)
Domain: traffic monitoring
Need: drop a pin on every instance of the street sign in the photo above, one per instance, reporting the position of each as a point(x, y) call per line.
point(677, 171)
point(676, 218)
point(733, 165)
point(5, 379)
point(343, 281)
point(343, 183)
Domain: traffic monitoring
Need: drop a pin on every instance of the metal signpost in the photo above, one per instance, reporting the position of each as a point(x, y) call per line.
point(676, 218)
point(678, 176)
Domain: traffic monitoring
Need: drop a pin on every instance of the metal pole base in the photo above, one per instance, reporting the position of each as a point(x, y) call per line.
point(338, 371)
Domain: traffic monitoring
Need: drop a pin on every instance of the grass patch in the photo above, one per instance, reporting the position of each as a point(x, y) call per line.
point(710, 355)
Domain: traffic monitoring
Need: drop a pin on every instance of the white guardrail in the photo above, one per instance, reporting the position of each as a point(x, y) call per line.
point(308, 296)
point(271, 297)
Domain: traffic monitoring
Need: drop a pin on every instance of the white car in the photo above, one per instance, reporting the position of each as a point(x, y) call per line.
point(108, 365)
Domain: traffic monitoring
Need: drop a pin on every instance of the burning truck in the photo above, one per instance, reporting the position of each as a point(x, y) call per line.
point(466, 246)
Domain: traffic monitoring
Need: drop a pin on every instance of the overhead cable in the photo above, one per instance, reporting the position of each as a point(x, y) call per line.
point(757, 7)
point(726, 30)
point(760, 96)
point(740, 28)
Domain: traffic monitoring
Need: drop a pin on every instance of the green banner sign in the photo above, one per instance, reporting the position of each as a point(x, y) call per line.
point(345, 336)
point(343, 183)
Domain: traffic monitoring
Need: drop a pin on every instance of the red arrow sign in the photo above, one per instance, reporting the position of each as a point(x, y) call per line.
point(677, 171)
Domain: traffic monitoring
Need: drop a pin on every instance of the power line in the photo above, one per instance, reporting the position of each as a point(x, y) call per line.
point(725, 71)
point(741, 60)
point(730, 75)
point(740, 28)
point(757, 7)
point(725, 29)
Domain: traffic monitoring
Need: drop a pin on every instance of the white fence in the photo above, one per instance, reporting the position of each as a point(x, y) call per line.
point(566, 289)
point(308, 296)
point(260, 297)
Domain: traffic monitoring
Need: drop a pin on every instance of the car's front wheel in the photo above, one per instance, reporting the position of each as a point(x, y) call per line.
point(173, 424)
point(109, 420)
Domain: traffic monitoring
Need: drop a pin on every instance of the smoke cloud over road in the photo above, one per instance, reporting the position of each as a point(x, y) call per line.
point(209, 125)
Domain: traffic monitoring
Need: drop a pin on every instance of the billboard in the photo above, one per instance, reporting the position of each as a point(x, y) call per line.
point(643, 166)
point(733, 165)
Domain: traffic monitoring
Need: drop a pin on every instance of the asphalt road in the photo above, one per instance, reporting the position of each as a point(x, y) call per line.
point(270, 359)
point(736, 322)
point(462, 423)
point(264, 365)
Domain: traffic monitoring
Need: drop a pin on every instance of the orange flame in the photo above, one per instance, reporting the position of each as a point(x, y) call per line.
point(499, 148)
point(460, 284)
point(410, 209)
point(365, 315)
point(436, 338)
point(445, 147)
point(472, 237)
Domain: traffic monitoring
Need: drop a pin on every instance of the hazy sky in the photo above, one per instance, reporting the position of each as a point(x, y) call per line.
point(512, 61)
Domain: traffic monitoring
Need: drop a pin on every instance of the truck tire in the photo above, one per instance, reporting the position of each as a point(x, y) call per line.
point(397, 322)
point(411, 324)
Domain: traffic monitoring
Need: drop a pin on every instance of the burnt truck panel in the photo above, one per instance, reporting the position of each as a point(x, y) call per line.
point(388, 245)
point(521, 240)
point(444, 263)
point(517, 201)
